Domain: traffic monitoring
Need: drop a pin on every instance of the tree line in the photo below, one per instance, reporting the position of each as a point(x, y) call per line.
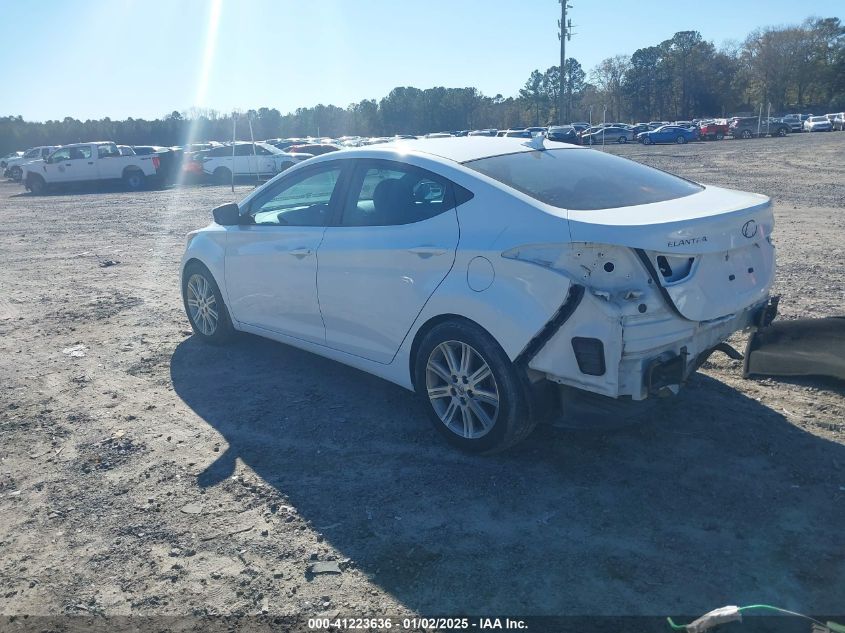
point(790, 68)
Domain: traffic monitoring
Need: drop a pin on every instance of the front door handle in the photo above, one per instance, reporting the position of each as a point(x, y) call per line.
point(300, 252)
point(427, 251)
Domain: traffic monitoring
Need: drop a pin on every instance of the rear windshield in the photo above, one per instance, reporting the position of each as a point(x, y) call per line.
point(583, 179)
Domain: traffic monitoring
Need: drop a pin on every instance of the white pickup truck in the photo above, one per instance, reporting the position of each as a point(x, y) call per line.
point(89, 162)
point(14, 166)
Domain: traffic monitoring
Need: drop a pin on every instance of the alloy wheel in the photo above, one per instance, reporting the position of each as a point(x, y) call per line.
point(202, 304)
point(462, 389)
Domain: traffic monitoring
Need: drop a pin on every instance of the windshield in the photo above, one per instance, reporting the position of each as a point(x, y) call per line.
point(583, 179)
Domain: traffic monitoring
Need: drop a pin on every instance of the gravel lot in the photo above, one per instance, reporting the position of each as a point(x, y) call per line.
point(144, 473)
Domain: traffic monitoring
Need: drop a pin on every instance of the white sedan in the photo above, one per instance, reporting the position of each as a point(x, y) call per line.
point(475, 271)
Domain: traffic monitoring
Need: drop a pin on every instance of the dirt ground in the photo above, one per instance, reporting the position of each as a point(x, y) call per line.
point(142, 472)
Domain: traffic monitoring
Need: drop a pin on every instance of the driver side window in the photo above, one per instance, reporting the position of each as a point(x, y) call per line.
point(61, 154)
point(301, 201)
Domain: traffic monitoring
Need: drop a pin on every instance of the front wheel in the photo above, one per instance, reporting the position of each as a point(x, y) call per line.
point(622, 139)
point(16, 173)
point(204, 305)
point(646, 140)
point(36, 185)
point(680, 140)
point(474, 395)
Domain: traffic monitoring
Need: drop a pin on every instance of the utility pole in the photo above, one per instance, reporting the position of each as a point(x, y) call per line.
point(564, 34)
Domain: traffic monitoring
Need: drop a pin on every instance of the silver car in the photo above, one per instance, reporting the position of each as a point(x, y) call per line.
point(608, 135)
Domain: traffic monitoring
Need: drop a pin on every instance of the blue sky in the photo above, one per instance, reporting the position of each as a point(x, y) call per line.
point(145, 58)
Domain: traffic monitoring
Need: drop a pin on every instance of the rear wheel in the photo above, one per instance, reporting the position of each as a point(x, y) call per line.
point(133, 179)
point(204, 305)
point(622, 139)
point(222, 176)
point(475, 397)
point(781, 131)
point(646, 140)
point(680, 140)
point(746, 134)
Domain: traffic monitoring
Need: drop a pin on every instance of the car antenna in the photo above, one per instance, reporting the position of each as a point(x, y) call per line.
point(535, 142)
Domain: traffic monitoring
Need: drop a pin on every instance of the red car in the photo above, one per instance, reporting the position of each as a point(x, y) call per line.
point(714, 131)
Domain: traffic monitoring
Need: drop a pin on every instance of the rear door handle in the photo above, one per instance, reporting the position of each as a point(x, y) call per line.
point(300, 252)
point(427, 251)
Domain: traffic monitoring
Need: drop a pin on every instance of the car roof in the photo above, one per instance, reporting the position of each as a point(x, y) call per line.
point(461, 149)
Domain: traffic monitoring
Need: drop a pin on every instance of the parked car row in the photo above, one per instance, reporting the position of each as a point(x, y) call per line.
point(583, 133)
point(45, 166)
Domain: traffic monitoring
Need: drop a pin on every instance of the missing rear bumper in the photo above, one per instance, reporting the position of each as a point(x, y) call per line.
point(802, 347)
point(665, 375)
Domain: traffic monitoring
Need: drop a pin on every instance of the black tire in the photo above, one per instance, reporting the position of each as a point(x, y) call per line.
point(680, 140)
point(222, 176)
point(16, 173)
point(36, 184)
point(511, 423)
point(622, 139)
point(782, 132)
point(746, 134)
point(133, 179)
point(646, 140)
point(720, 136)
point(223, 330)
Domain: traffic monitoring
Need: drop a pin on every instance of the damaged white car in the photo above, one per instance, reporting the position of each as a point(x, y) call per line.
point(471, 270)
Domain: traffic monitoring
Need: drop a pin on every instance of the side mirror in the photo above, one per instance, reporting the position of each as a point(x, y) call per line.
point(227, 214)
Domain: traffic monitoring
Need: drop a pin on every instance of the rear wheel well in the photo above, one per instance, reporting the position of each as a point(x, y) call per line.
point(425, 329)
point(131, 169)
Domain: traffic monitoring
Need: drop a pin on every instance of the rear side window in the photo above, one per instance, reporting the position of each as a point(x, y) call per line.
point(583, 179)
point(388, 194)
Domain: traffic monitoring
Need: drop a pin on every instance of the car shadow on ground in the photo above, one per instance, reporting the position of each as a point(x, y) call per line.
point(118, 188)
point(87, 189)
point(715, 500)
